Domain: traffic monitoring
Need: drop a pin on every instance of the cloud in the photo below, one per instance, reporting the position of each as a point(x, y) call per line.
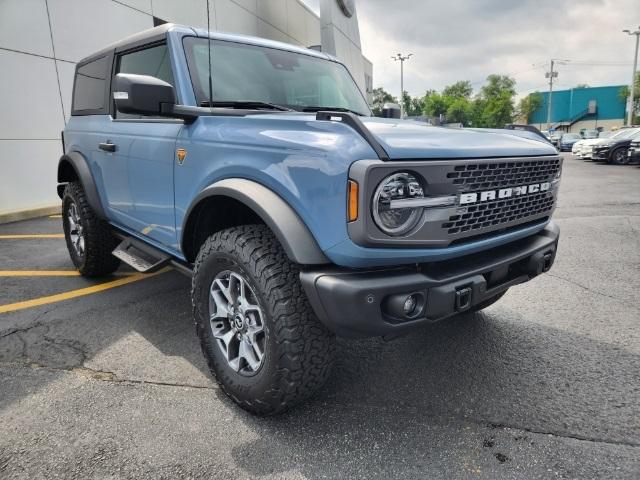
point(468, 40)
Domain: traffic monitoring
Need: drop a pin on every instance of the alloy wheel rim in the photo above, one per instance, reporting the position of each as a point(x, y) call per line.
point(76, 230)
point(237, 322)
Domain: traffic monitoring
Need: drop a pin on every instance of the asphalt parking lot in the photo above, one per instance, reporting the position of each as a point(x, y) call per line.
point(105, 379)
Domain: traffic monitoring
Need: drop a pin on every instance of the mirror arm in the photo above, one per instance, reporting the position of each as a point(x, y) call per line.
point(187, 113)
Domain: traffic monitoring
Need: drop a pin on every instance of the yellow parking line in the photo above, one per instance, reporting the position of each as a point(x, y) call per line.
point(51, 273)
point(55, 216)
point(12, 307)
point(32, 235)
point(39, 273)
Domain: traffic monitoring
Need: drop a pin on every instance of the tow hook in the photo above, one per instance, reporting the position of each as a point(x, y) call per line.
point(463, 299)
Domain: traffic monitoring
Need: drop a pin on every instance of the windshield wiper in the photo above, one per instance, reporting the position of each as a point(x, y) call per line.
point(330, 109)
point(245, 104)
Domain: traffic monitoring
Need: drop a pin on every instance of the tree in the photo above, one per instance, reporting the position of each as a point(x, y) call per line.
point(459, 111)
point(496, 99)
point(434, 104)
point(380, 97)
point(497, 85)
point(462, 89)
point(412, 105)
point(528, 105)
point(623, 94)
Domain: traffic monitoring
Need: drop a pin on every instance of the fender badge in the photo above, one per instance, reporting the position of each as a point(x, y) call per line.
point(182, 154)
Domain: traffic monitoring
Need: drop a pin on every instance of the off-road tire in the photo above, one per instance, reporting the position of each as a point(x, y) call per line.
point(99, 240)
point(299, 350)
point(488, 302)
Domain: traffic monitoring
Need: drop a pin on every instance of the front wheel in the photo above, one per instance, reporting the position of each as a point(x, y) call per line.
point(619, 157)
point(261, 338)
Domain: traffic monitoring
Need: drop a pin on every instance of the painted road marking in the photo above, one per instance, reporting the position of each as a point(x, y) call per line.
point(50, 273)
point(12, 307)
point(39, 273)
point(55, 216)
point(34, 235)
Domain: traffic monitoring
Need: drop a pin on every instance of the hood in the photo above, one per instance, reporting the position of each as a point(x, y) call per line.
point(406, 139)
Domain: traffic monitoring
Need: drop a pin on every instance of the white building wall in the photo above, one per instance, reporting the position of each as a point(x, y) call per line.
point(41, 41)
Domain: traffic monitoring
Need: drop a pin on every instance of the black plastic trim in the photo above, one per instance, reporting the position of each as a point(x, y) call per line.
point(296, 239)
point(83, 173)
point(352, 303)
point(354, 122)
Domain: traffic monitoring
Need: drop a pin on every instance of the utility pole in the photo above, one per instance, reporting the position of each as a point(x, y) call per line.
point(400, 58)
point(551, 74)
point(633, 77)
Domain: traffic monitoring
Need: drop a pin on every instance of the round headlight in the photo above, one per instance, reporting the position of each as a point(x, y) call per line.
point(390, 219)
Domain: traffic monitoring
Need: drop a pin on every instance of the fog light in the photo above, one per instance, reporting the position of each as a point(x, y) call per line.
point(402, 307)
point(410, 305)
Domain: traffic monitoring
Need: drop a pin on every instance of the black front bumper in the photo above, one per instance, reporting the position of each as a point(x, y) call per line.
point(602, 154)
point(357, 303)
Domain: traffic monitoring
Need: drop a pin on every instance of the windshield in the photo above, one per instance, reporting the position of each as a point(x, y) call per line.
point(626, 133)
point(571, 136)
point(251, 73)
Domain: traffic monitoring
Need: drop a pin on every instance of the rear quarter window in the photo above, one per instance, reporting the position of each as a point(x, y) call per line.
point(90, 87)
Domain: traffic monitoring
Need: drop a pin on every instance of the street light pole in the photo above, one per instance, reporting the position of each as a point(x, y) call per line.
point(633, 76)
point(400, 58)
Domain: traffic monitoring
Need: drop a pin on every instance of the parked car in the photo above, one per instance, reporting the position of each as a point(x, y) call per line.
point(297, 214)
point(614, 149)
point(586, 148)
point(555, 137)
point(634, 151)
point(590, 133)
point(567, 140)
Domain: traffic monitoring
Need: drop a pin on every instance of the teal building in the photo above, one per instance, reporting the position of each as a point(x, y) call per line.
point(579, 108)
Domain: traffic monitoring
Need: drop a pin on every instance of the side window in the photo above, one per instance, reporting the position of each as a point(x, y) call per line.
point(152, 61)
point(89, 87)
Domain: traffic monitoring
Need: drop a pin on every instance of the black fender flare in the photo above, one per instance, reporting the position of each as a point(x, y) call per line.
point(72, 166)
point(292, 233)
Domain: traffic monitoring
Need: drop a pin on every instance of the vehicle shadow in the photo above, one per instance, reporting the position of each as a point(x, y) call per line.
point(386, 401)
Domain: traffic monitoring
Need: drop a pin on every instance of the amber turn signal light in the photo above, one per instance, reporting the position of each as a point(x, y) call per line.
point(352, 206)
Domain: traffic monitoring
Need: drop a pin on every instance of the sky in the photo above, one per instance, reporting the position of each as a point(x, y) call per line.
point(455, 40)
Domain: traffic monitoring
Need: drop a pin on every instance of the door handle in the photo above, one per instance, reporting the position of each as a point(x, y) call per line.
point(107, 146)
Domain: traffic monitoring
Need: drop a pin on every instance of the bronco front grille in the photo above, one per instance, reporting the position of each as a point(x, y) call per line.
point(499, 211)
point(486, 196)
point(478, 176)
point(478, 218)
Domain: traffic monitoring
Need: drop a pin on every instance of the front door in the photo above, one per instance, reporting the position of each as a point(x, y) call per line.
point(144, 155)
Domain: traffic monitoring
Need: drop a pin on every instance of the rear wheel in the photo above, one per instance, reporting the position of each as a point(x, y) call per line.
point(89, 239)
point(261, 338)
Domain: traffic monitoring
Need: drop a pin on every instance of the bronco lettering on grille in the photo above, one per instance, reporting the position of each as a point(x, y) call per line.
point(487, 195)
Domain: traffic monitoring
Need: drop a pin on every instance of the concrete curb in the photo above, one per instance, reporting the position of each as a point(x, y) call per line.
point(18, 215)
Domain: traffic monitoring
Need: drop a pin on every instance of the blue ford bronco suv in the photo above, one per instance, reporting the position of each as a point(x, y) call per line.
point(256, 168)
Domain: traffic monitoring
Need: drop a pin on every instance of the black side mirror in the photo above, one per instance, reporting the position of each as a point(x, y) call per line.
point(143, 94)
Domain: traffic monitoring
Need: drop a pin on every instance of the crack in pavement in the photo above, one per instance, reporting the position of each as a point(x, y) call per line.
point(102, 375)
point(573, 282)
point(495, 425)
point(111, 377)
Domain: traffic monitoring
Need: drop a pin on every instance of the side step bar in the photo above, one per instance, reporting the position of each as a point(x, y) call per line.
point(144, 258)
